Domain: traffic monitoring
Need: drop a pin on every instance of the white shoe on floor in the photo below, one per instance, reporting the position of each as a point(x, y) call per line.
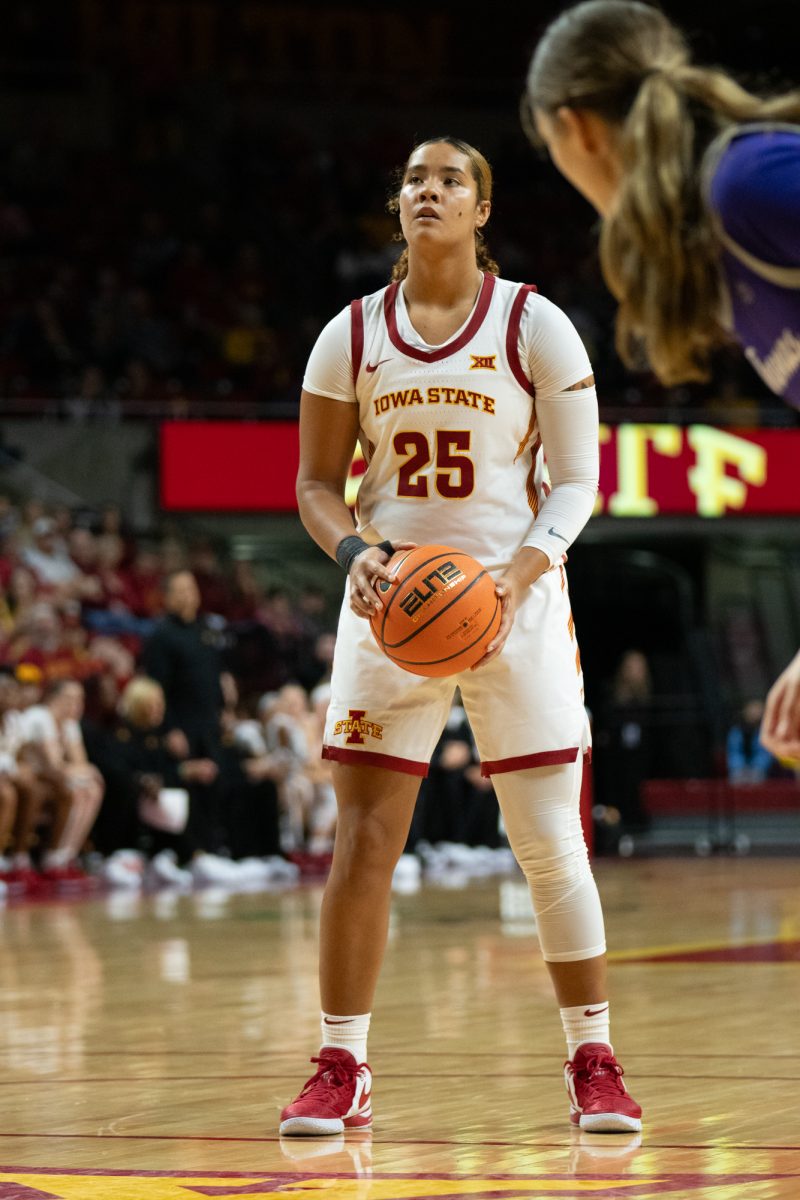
point(281, 870)
point(163, 871)
point(212, 868)
point(123, 869)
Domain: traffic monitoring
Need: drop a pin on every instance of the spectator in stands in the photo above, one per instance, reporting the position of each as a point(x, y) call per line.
point(279, 615)
point(246, 595)
point(91, 397)
point(53, 730)
point(55, 641)
point(251, 777)
point(20, 597)
point(144, 582)
point(48, 558)
point(83, 552)
point(184, 655)
point(118, 594)
point(748, 761)
point(316, 664)
point(212, 583)
point(322, 810)
point(27, 791)
point(137, 761)
point(283, 737)
point(623, 738)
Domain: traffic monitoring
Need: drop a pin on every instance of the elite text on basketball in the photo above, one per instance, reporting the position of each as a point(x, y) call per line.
point(441, 579)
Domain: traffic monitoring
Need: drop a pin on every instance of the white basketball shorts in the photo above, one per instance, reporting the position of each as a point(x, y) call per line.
point(525, 707)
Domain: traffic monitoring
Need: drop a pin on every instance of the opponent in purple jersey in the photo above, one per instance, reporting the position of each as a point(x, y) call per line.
point(697, 182)
point(385, 721)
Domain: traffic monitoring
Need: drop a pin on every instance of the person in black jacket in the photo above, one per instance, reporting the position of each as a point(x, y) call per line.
point(184, 655)
point(136, 760)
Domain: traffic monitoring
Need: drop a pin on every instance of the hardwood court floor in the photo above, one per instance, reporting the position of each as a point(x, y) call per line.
point(147, 1044)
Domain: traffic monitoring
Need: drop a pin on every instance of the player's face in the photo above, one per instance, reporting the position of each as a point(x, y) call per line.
point(584, 149)
point(439, 197)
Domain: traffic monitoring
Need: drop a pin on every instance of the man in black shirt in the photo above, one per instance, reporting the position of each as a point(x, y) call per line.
point(184, 654)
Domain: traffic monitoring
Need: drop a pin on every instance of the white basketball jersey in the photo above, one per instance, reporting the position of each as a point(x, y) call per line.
point(449, 434)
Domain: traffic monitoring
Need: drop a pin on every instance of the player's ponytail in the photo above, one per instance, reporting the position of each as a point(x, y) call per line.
point(481, 173)
point(625, 61)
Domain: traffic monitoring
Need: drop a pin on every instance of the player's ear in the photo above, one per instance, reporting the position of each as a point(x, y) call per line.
point(483, 211)
point(583, 128)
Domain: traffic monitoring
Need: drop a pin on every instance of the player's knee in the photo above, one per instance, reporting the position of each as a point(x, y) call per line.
point(365, 844)
point(550, 875)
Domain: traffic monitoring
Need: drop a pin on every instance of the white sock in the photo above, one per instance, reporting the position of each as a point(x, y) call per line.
point(586, 1023)
point(22, 861)
point(56, 858)
point(347, 1033)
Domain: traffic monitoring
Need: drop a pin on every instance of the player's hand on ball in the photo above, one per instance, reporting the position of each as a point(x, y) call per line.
point(508, 591)
point(368, 569)
point(780, 728)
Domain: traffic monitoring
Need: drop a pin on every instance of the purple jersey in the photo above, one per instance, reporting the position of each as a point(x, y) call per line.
point(753, 189)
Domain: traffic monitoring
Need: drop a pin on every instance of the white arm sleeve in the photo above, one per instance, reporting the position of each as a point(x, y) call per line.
point(553, 355)
point(329, 371)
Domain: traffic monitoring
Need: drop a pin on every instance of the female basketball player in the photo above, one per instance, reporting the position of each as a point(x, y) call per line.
point(697, 182)
point(455, 382)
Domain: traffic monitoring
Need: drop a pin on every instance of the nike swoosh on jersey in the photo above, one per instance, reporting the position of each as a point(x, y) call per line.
point(553, 533)
point(370, 367)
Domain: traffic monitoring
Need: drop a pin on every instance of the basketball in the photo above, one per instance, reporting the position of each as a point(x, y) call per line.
point(440, 615)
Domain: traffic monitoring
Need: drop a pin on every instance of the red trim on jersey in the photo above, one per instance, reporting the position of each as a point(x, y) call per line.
point(369, 758)
point(467, 334)
point(530, 483)
point(356, 336)
point(512, 338)
point(545, 758)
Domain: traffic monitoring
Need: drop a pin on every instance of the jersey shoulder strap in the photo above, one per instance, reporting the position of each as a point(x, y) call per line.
point(512, 337)
point(356, 336)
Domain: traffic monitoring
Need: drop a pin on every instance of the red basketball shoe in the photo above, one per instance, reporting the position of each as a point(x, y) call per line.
point(599, 1101)
point(69, 878)
point(25, 881)
point(335, 1099)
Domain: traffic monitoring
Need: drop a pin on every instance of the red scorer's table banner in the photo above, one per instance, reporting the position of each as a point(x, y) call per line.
point(234, 466)
point(645, 470)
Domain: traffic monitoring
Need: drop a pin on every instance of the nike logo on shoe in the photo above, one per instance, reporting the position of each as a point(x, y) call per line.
point(551, 531)
point(374, 366)
point(595, 1012)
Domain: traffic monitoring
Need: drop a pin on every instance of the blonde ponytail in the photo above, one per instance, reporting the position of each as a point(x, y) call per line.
point(660, 258)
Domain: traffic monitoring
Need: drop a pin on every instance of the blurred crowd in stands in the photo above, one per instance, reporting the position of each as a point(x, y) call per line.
point(162, 716)
point(193, 259)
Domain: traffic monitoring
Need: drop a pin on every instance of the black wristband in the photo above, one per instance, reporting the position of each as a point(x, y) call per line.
point(350, 547)
point(347, 550)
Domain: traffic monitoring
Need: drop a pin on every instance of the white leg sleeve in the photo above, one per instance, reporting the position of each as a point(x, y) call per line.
point(541, 814)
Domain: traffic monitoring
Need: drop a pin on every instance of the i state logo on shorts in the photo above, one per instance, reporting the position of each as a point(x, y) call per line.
point(357, 728)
